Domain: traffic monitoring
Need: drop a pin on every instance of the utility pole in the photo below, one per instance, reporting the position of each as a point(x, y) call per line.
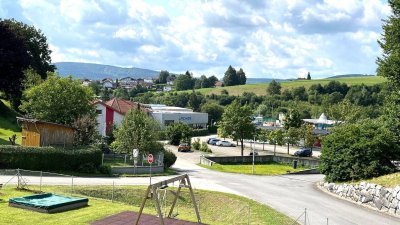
point(254, 143)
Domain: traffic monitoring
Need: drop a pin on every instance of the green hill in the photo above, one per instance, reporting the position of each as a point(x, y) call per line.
point(8, 124)
point(260, 88)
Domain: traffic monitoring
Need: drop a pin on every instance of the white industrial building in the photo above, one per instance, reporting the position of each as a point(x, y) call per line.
point(167, 115)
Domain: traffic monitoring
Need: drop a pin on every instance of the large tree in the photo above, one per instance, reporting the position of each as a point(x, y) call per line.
point(137, 131)
point(14, 59)
point(58, 100)
point(293, 120)
point(230, 77)
point(241, 76)
point(214, 111)
point(389, 62)
point(274, 88)
point(184, 82)
point(162, 78)
point(38, 48)
point(236, 122)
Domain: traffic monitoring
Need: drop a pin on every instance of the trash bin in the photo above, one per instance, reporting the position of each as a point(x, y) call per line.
point(294, 164)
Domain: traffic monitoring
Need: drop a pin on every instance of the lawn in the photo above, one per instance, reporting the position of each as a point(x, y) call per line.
point(390, 180)
point(272, 168)
point(260, 88)
point(215, 207)
point(8, 123)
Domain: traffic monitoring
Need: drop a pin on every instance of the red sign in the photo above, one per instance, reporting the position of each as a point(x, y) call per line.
point(150, 158)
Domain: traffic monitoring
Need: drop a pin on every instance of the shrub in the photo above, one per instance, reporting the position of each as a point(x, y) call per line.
point(358, 151)
point(105, 169)
point(200, 132)
point(87, 168)
point(169, 159)
point(196, 144)
point(48, 158)
point(179, 133)
point(204, 148)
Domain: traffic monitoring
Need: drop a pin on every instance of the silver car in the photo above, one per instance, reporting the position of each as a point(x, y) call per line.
point(225, 144)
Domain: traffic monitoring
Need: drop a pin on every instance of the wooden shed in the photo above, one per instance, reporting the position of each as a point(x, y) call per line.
point(40, 133)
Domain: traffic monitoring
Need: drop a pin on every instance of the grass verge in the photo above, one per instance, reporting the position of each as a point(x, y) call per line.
point(8, 123)
point(390, 180)
point(215, 207)
point(272, 168)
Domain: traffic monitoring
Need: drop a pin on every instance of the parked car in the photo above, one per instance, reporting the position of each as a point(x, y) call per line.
point(184, 147)
point(255, 153)
point(210, 139)
point(214, 141)
point(304, 152)
point(225, 144)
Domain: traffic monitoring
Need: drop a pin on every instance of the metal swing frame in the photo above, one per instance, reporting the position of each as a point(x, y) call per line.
point(184, 181)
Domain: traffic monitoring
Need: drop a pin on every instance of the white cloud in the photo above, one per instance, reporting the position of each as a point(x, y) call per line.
point(277, 38)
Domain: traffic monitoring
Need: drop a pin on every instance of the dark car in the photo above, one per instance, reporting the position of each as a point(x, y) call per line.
point(184, 147)
point(214, 141)
point(304, 152)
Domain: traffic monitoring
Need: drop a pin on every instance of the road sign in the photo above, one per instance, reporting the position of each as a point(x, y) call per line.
point(135, 153)
point(150, 158)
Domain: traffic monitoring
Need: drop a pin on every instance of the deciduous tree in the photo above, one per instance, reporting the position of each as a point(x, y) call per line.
point(236, 122)
point(274, 88)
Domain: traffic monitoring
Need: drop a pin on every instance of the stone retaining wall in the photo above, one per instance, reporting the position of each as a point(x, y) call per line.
point(368, 194)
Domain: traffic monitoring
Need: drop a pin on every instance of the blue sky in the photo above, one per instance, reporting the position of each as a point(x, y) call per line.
point(268, 39)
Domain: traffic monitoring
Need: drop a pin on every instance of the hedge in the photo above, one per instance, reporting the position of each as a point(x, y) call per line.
point(48, 158)
point(199, 132)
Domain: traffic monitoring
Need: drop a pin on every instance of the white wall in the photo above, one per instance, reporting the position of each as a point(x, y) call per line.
point(118, 118)
point(101, 119)
point(185, 117)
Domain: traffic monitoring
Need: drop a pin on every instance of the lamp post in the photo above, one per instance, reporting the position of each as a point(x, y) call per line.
point(254, 143)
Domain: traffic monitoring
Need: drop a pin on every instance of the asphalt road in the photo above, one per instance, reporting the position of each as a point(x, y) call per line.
point(289, 194)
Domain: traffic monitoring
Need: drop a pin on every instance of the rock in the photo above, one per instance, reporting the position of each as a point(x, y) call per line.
point(398, 196)
point(394, 204)
point(392, 211)
point(384, 209)
point(366, 198)
point(383, 192)
point(385, 203)
point(363, 185)
point(331, 186)
point(364, 192)
point(378, 203)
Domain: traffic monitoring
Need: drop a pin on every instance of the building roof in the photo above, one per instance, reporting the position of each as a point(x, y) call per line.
point(107, 106)
point(121, 105)
point(28, 120)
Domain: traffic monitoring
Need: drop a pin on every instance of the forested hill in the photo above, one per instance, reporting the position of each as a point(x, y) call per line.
point(98, 71)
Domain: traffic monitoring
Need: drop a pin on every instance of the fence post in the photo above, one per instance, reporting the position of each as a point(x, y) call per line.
point(305, 216)
point(125, 159)
point(40, 187)
point(112, 194)
point(72, 184)
point(102, 159)
point(19, 177)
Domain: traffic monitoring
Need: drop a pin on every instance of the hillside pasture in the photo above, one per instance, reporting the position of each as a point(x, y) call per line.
point(260, 88)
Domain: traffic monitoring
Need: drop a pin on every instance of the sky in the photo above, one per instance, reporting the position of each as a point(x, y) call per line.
point(268, 39)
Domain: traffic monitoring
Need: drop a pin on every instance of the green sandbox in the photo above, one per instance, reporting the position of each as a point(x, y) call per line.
point(48, 203)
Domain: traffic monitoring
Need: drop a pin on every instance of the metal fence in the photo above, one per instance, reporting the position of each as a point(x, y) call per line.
point(127, 160)
point(115, 190)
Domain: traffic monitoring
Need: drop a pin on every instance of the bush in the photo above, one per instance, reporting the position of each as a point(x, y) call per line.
point(200, 132)
point(105, 169)
point(358, 151)
point(169, 159)
point(204, 148)
point(179, 133)
point(196, 144)
point(48, 158)
point(87, 168)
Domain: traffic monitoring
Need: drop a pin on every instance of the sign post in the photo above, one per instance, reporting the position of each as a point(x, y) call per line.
point(150, 161)
point(135, 154)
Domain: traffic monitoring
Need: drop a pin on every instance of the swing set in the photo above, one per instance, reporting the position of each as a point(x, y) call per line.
point(160, 199)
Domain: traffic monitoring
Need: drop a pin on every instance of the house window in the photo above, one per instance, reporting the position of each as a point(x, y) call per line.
point(98, 111)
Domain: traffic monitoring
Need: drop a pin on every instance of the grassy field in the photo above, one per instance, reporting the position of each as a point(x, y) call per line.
point(259, 169)
point(260, 89)
point(215, 207)
point(8, 123)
